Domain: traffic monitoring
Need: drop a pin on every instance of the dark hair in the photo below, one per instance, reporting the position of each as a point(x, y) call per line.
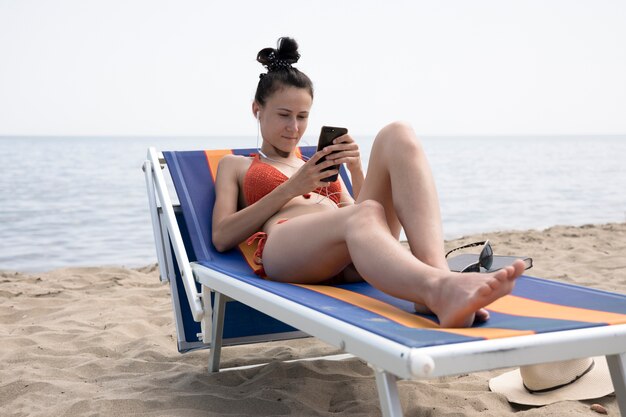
point(280, 73)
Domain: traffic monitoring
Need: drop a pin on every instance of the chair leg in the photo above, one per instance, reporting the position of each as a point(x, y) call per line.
point(217, 330)
point(388, 393)
point(617, 366)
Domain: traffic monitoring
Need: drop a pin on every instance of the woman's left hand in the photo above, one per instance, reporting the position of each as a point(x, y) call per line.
point(345, 150)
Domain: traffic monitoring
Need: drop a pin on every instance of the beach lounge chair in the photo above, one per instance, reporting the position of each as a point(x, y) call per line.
point(542, 321)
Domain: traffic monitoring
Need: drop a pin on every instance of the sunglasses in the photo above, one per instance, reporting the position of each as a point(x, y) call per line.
point(485, 259)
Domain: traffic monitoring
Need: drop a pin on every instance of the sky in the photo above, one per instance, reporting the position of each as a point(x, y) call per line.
point(187, 67)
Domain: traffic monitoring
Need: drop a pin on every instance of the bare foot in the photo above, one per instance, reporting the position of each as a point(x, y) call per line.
point(482, 315)
point(455, 301)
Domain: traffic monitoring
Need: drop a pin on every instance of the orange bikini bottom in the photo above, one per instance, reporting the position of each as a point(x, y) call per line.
point(258, 254)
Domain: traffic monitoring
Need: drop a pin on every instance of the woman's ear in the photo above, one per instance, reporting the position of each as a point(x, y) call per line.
point(256, 109)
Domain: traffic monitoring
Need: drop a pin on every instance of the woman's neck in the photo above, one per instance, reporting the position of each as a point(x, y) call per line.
point(276, 155)
point(274, 152)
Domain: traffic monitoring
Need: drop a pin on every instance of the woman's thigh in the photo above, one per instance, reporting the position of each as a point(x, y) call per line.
point(309, 248)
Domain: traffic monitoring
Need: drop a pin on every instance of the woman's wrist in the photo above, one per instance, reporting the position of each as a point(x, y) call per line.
point(285, 192)
point(356, 172)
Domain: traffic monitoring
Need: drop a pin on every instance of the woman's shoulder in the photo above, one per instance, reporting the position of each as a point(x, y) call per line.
point(234, 161)
point(234, 164)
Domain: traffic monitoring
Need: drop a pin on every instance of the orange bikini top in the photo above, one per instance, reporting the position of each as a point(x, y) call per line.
point(262, 178)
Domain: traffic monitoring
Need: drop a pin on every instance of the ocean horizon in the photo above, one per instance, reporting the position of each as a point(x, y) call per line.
point(81, 200)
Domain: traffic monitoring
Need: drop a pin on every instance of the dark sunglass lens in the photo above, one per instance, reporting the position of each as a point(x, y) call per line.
point(486, 256)
point(475, 267)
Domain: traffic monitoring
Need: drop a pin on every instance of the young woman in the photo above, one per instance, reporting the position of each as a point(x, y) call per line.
point(311, 231)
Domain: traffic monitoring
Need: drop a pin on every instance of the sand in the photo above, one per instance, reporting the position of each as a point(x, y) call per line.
point(100, 341)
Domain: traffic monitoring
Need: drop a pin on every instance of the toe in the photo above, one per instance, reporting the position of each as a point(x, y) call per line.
point(482, 315)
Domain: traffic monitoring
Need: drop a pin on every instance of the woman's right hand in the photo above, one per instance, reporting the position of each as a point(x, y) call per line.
point(310, 175)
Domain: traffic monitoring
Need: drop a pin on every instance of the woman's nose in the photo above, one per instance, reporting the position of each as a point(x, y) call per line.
point(293, 124)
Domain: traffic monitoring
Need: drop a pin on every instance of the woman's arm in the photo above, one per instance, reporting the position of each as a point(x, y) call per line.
point(345, 199)
point(357, 178)
point(231, 227)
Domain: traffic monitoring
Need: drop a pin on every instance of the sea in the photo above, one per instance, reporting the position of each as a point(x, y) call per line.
point(82, 201)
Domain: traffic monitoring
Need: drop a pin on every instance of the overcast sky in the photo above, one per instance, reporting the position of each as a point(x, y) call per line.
point(150, 67)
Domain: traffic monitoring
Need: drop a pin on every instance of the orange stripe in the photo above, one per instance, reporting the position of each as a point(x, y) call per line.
point(408, 319)
point(213, 158)
point(520, 306)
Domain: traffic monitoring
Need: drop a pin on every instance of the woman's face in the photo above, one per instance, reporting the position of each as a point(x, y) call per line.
point(284, 117)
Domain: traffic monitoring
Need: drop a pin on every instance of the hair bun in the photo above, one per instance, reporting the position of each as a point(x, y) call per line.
point(285, 54)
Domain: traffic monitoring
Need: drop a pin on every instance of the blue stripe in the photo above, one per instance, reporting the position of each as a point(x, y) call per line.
point(583, 297)
point(187, 204)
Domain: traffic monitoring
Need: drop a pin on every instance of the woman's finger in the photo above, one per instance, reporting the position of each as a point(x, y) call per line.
point(319, 155)
point(342, 160)
point(342, 147)
point(344, 139)
point(326, 174)
point(343, 155)
point(327, 163)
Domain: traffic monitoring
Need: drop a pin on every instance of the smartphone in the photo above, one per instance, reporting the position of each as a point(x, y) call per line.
point(327, 135)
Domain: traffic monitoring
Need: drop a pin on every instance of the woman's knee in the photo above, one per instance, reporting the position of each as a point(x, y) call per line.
point(398, 137)
point(398, 126)
point(366, 214)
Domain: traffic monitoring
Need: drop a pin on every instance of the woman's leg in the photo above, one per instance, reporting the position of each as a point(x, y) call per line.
point(399, 178)
point(314, 247)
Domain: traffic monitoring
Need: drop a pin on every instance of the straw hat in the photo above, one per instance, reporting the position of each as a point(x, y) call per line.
point(576, 379)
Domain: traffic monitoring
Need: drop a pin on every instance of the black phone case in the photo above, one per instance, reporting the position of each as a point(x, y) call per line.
point(327, 135)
